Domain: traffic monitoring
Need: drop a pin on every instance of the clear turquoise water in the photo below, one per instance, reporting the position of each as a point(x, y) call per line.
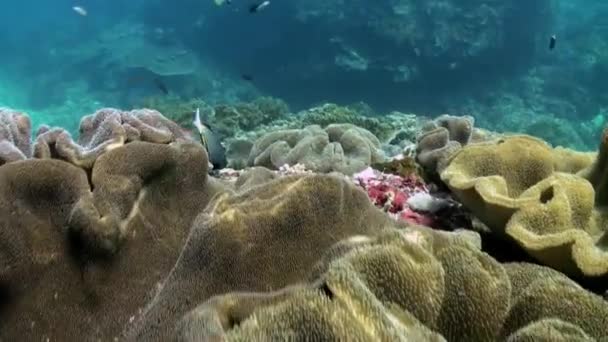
point(488, 60)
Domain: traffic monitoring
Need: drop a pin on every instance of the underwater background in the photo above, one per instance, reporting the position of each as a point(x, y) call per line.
point(319, 170)
point(487, 59)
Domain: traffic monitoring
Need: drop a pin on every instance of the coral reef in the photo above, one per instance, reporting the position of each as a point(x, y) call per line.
point(123, 235)
point(105, 130)
point(339, 147)
point(395, 131)
point(226, 120)
point(384, 127)
point(546, 200)
point(391, 193)
point(428, 34)
point(269, 236)
point(80, 250)
point(407, 285)
point(15, 130)
point(407, 197)
point(231, 120)
point(558, 123)
point(174, 108)
point(442, 138)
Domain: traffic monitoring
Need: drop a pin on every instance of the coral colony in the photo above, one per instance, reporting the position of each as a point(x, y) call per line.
point(391, 193)
point(125, 234)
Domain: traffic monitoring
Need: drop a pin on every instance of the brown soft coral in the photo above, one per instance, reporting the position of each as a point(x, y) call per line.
point(261, 239)
point(54, 282)
point(401, 286)
point(105, 130)
point(514, 185)
point(15, 131)
point(136, 177)
point(339, 147)
point(539, 293)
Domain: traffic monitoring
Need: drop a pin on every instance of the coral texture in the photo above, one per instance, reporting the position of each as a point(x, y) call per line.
point(412, 284)
point(339, 147)
point(79, 255)
point(15, 131)
point(520, 188)
point(268, 236)
point(123, 235)
point(104, 130)
point(441, 138)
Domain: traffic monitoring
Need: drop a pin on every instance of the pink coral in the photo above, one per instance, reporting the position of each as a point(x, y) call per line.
point(388, 192)
point(391, 192)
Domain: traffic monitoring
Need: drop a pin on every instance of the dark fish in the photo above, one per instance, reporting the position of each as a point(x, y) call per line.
point(258, 7)
point(211, 142)
point(247, 77)
point(552, 42)
point(161, 85)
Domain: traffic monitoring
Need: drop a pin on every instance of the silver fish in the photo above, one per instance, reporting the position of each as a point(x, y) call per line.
point(200, 127)
point(211, 141)
point(80, 10)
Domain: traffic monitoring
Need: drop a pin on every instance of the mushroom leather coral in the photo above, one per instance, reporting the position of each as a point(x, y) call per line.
point(78, 262)
point(104, 130)
point(339, 147)
point(15, 131)
point(260, 239)
point(399, 286)
point(443, 137)
point(515, 186)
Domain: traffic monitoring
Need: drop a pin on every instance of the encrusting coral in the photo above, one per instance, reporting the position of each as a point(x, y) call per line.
point(409, 284)
point(520, 188)
point(339, 147)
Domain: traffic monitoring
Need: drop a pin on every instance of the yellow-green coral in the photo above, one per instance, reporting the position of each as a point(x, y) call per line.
point(402, 286)
point(517, 186)
point(267, 236)
point(381, 127)
point(232, 119)
point(339, 147)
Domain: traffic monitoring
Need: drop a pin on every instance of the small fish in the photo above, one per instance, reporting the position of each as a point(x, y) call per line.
point(211, 142)
point(552, 42)
point(221, 2)
point(80, 10)
point(200, 127)
point(247, 77)
point(161, 85)
point(258, 7)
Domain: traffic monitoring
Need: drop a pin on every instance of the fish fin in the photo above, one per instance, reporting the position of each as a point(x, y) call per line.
point(205, 142)
point(208, 127)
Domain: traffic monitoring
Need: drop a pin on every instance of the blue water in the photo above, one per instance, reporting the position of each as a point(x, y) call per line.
point(484, 58)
